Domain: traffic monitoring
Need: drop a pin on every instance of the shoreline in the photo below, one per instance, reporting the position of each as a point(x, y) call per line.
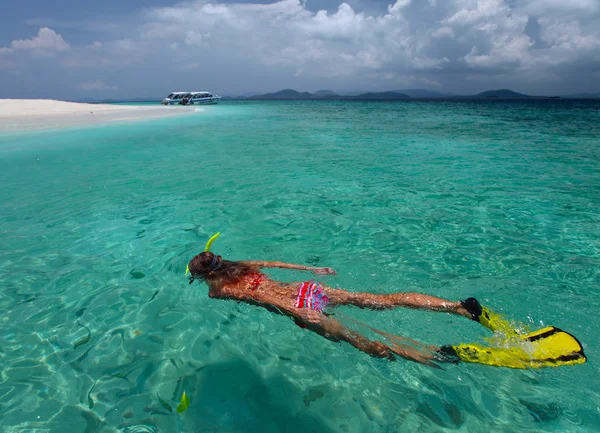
point(23, 115)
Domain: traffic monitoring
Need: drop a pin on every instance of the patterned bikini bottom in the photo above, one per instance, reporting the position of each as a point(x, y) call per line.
point(311, 296)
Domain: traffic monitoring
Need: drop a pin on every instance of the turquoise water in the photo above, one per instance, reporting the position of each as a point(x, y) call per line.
point(498, 200)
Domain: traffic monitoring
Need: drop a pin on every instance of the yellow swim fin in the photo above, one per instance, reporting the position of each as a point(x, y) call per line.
point(493, 321)
point(547, 347)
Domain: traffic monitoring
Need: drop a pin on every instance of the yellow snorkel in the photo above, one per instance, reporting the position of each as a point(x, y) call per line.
point(206, 248)
point(211, 240)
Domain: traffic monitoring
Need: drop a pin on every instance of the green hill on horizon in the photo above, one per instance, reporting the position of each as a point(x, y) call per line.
point(288, 94)
point(291, 94)
point(392, 95)
point(502, 94)
point(323, 93)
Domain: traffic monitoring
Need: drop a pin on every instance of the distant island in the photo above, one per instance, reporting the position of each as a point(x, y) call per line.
point(398, 95)
point(392, 95)
point(504, 94)
point(293, 95)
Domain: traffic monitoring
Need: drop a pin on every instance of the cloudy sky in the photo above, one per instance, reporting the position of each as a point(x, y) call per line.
point(74, 49)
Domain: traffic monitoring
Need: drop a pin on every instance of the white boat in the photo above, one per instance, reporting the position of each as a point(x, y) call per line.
point(174, 98)
point(200, 98)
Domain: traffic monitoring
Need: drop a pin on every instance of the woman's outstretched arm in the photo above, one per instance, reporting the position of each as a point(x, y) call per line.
point(265, 264)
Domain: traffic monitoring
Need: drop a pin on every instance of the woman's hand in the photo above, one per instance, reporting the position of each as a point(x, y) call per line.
point(324, 271)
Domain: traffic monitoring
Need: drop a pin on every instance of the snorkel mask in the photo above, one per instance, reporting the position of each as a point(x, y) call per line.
point(206, 248)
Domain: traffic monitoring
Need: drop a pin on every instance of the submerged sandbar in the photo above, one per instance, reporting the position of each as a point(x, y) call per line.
point(41, 114)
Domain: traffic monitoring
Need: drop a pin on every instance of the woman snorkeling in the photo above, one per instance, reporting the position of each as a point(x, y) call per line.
point(306, 302)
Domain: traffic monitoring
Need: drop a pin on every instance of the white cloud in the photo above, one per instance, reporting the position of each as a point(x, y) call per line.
point(442, 32)
point(97, 85)
point(541, 7)
point(477, 11)
point(398, 5)
point(125, 44)
point(286, 34)
point(435, 43)
point(47, 40)
point(193, 38)
point(482, 34)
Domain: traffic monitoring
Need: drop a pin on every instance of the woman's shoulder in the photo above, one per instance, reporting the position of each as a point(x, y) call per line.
point(229, 289)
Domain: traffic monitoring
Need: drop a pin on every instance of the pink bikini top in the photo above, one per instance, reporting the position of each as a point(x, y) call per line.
point(256, 281)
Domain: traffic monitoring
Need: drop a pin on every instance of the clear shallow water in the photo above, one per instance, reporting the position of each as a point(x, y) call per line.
point(495, 200)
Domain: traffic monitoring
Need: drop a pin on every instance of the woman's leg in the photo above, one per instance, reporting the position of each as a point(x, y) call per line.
point(392, 300)
point(398, 346)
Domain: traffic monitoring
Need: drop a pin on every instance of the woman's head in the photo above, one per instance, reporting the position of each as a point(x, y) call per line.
point(209, 266)
point(205, 264)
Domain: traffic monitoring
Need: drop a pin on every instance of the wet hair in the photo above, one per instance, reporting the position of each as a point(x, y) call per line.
point(209, 266)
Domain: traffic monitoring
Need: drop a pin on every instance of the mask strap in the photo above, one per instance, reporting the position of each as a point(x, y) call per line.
point(215, 263)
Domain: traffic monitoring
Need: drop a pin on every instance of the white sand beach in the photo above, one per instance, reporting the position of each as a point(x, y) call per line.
point(42, 114)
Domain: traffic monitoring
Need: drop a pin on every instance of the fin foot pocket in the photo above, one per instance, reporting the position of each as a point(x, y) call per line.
point(474, 308)
point(493, 321)
point(447, 354)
